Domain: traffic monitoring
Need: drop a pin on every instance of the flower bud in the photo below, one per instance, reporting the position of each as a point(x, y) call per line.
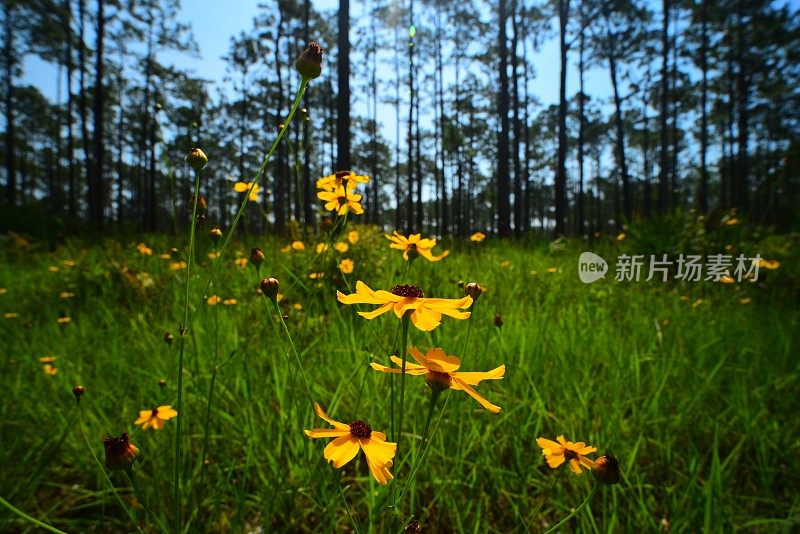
point(606, 469)
point(327, 223)
point(256, 256)
point(196, 159)
point(201, 203)
point(269, 287)
point(162, 383)
point(498, 320)
point(309, 64)
point(120, 452)
point(474, 290)
point(168, 338)
point(215, 233)
point(438, 382)
point(78, 391)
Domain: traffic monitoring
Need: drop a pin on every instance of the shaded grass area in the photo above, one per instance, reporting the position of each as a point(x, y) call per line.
point(696, 396)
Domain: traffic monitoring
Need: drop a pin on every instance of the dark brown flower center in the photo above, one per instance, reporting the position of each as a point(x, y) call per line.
point(360, 429)
point(155, 412)
point(405, 290)
point(342, 174)
point(570, 455)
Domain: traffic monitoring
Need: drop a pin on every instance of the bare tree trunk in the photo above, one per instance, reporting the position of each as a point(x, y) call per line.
point(663, 176)
point(620, 144)
point(581, 127)
point(502, 180)
point(10, 142)
point(308, 213)
point(517, 126)
point(72, 194)
point(561, 170)
point(82, 104)
point(97, 194)
point(410, 138)
point(703, 189)
point(398, 192)
point(441, 188)
point(343, 93)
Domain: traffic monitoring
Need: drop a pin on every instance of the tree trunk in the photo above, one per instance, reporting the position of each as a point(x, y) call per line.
point(561, 169)
point(96, 200)
point(72, 193)
point(502, 181)
point(517, 127)
point(308, 213)
point(10, 142)
point(620, 144)
point(441, 189)
point(702, 195)
point(343, 92)
point(410, 138)
point(663, 174)
point(581, 128)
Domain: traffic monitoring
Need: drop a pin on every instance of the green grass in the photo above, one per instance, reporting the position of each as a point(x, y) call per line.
point(699, 403)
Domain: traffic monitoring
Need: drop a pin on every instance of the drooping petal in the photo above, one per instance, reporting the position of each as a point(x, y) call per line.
point(475, 378)
point(336, 424)
point(575, 465)
point(426, 319)
point(588, 463)
point(365, 295)
point(377, 311)
point(166, 412)
point(144, 415)
point(416, 370)
point(554, 460)
point(341, 450)
point(548, 445)
point(326, 432)
point(241, 187)
point(587, 450)
point(437, 360)
point(410, 366)
point(452, 304)
point(457, 384)
point(378, 451)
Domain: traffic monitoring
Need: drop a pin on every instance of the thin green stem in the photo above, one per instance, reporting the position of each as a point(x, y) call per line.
point(140, 498)
point(403, 349)
point(28, 518)
point(294, 351)
point(347, 507)
point(576, 510)
point(103, 470)
point(176, 494)
point(256, 178)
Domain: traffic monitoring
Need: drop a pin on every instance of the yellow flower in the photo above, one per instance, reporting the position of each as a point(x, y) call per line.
point(745, 300)
point(621, 237)
point(297, 306)
point(732, 221)
point(349, 439)
point(71, 263)
point(505, 264)
point(558, 453)
point(769, 264)
point(53, 269)
point(10, 315)
point(342, 247)
point(341, 201)
point(177, 265)
point(477, 237)
point(697, 303)
point(3, 291)
point(414, 245)
point(144, 249)
point(298, 245)
point(242, 187)
point(441, 370)
point(213, 300)
point(352, 236)
point(49, 369)
point(322, 247)
point(66, 295)
point(725, 279)
point(427, 312)
point(213, 255)
point(165, 256)
point(341, 178)
point(316, 276)
point(552, 270)
point(346, 266)
point(155, 417)
point(241, 262)
point(64, 320)
point(47, 359)
point(230, 302)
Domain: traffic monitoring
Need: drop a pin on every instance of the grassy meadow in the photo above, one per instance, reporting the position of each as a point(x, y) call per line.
point(692, 386)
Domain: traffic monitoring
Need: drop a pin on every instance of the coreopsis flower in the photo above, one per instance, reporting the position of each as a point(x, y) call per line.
point(215, 233)
point(155, 417)
point(351, 438)
point(50, 369)
point(64, 320)
point(557, 453)
point(725, 279)
point(414, 245)
point(269, 288)
point(474, 290)
point(177, 265)
point(322, 247)
point(213, 300)
point(341, 247)
point(257, 256)
point(66, 295)
point(606, 470)
point(144, 249)
point(426, 312)
point(733, 221)
point(441, 371)
point(347, 179)
point(120, 452)
point(230, 302)
point(298, 245)
point(353, 236)
point(346, 266)
point(242, 187)
point(214, 254)
point(477, 237)
point(341, 201)
point(621, 236)
point(48, 359)
point(240, 262)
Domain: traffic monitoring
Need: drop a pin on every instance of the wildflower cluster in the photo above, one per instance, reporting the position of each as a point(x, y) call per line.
point(338, 192)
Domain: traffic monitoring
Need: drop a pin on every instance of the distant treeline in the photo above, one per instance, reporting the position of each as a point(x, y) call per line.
point(705, 113)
